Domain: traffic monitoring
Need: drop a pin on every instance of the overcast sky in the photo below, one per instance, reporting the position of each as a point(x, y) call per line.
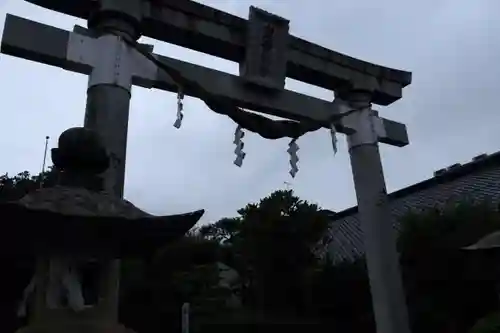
point(451, 108)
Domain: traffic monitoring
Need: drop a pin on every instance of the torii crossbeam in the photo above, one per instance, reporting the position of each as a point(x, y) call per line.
point(198, 27)
point(266, 54)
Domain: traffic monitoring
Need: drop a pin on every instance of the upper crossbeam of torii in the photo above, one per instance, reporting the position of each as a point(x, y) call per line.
point(109, 54)
point(205, 29)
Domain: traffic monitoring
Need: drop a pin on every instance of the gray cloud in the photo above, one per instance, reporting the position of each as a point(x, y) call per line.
point(451, 46)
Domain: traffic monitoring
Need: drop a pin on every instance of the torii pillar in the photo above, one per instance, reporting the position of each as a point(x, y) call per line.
point(108, 104)
point(379, 237)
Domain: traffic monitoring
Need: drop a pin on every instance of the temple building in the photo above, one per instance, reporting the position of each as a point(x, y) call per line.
point(478, 179)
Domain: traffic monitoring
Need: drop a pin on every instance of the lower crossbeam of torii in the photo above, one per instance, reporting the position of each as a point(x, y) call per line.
point(114, 63)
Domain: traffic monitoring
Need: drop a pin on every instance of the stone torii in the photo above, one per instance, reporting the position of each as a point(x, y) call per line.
point(267, 55)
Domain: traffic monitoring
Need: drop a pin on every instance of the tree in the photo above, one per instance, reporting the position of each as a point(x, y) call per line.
point(153, 291)
point(342, 298)
point(14, 188)
point(272, 244)
point(448, 289)
point(221, 231)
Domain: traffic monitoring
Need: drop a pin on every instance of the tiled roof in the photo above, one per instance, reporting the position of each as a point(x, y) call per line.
point(478, 179)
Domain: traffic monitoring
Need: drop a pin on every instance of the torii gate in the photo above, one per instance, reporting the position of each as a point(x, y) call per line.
point(108, 53)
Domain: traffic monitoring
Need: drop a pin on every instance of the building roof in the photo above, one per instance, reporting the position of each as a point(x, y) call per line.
point(478, 179)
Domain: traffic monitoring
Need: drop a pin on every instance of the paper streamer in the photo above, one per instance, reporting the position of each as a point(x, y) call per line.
point(292, 150)
point(180, 108)
point(240, 155)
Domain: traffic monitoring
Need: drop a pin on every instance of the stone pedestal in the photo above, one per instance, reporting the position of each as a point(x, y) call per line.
point(75, 326)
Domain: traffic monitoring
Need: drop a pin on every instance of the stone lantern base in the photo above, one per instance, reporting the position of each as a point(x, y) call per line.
point(75, 327)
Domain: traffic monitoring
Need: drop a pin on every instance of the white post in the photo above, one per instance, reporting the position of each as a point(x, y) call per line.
point(388, 295)
point(185, 318)
point(42, 174)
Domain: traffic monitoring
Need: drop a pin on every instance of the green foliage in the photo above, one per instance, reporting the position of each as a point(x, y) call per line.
point(448, 288)
point(14, 188)
point(271, 245)
point(222, 231)
point(185, 271)
point(448, 229)
point(342, 298)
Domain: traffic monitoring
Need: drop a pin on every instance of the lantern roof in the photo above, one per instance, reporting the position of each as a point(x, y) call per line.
point(77, 215)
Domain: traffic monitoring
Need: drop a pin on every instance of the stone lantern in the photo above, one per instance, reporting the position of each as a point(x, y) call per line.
point(76, 231)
